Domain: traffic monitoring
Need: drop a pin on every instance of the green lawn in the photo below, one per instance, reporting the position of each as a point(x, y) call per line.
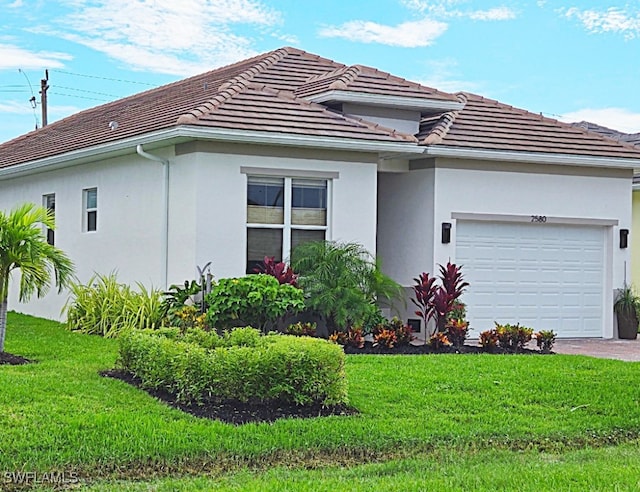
point(448, 421)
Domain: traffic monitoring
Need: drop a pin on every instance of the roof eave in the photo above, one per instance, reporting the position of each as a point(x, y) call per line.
point(186, 133)
point(399, 102)
point(532, 157)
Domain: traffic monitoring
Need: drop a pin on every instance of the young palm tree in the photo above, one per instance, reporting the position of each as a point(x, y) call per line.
point(24, 247)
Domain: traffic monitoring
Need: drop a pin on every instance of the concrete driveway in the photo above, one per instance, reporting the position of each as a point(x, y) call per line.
point(628, 350)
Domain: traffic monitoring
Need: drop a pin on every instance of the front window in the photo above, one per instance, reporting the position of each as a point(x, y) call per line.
point(90, 219)
point(282, 213)
point(49, 202)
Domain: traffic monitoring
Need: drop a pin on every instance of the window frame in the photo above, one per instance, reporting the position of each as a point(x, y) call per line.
point(287, 226)
point(49, 233)
point(86, 210)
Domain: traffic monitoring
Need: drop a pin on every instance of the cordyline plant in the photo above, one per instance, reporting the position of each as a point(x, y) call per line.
point(277, 269)
point(437, 301)
point(24, 247)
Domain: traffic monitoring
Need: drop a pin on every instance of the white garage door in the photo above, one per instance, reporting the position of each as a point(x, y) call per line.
point(545, 276)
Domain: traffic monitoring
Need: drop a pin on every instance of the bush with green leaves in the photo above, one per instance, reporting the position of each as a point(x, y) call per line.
point(281, 368)
point(343, 283)
point(105, 307)
point(255, 300)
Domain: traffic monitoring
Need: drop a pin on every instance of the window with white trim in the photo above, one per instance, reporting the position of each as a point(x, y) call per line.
point(49, 202)
point(90, 206)
point(282, 213)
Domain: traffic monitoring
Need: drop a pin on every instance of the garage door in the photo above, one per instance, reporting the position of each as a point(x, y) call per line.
point(545, 276)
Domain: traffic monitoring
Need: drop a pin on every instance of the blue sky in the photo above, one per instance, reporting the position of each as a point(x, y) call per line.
point(572, 60)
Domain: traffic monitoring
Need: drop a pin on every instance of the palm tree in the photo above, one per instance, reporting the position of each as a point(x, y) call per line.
point(24, 247)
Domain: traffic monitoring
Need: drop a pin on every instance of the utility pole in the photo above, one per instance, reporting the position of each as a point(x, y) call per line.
point(44, 85)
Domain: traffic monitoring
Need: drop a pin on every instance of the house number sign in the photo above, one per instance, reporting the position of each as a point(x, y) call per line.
point(539, 218)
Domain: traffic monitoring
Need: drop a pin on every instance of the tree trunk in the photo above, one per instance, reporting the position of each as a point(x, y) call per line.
point(3, 322)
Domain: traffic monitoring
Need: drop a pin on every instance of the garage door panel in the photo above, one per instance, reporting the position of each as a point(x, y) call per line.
point(545, 276)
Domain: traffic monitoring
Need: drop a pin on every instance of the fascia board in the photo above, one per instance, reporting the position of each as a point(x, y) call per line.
point(186, 133)
point(532, 157)
point(400, 102)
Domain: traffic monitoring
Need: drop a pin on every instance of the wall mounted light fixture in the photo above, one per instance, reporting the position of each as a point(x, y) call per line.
point(446, 232)
point(624, 238)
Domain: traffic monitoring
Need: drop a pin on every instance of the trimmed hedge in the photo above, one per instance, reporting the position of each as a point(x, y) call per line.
point(242, 365)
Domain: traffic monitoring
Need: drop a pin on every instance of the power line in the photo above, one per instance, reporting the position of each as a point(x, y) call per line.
point(86, 91)
point(102, 78)
point(79, 97)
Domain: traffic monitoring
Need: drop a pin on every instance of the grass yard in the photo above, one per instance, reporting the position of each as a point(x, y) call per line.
point(453, 422)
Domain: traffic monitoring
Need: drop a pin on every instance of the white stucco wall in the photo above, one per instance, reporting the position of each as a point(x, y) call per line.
point(218, 196)
point(207, 218)
point(129, 222)
point(500, 189)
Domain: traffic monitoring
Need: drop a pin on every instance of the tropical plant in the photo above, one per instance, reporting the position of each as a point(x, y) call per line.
point(424, 290)
point(439, 301)
point(626, 308)
point(179, 295)
point(439, 340)
point(457, 330)
point(24, 247)
point(342, 282)
point(445, 298)
point(488, 340)
point(255, 300)
point(302, 329)
point(513, 337)
point(402, 333)
point(277, 269)
point(353, 337)
point(105, 307)
point(545, 340)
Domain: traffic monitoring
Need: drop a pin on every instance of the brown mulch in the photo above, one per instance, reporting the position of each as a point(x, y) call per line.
point(237, 412)
point(13, 360)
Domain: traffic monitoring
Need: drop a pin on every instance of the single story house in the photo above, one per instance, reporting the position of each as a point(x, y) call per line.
point(254, 158)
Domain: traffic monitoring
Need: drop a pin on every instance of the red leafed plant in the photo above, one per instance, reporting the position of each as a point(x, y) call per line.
point(438, 301)
point(277, 269)
point(353, 337)
point(424, 290)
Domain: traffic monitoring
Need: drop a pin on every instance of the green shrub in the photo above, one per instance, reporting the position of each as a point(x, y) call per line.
point(342, 282)
point(105, 307)
point(255, 300)
point(283, 368)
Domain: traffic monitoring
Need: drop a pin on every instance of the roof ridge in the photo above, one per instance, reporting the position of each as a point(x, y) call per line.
point(444, 124)
point(233, 86)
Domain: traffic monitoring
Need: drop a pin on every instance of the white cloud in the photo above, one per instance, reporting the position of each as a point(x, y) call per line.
point(619, 119)
point(164, 36)
point(406, 35)
point(15, 107)
point(497, 14)
point(16, 4)
point(450, 9)
point(442, 75)
point(13, 57)
point(613, 20)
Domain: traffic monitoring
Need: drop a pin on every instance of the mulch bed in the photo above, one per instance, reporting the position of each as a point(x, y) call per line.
point(13, 360)
point(427, 349)
point(237, 412)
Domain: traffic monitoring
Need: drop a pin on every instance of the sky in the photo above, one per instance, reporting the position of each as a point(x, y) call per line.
point(572, 60)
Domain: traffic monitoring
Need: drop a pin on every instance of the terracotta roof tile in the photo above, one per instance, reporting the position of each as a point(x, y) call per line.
point(359, 78)
point(488, 124)
point(267, 93)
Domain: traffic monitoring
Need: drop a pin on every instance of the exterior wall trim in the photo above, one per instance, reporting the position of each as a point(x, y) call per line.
point(534, 219)
point(293, 173)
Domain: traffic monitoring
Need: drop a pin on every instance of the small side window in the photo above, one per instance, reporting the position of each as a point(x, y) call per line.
point(90, 220)
point(49, 202)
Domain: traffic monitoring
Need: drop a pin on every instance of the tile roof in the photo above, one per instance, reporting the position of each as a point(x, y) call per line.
point(269, 93)
point(488, 124)
point(632, 138)
point(359, 78)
